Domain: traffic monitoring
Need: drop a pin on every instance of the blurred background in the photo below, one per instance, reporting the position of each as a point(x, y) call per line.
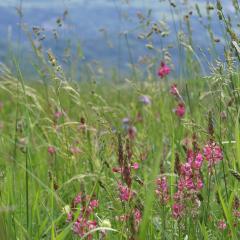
point(115, 35)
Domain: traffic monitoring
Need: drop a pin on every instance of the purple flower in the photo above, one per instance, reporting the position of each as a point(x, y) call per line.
point(144, 100)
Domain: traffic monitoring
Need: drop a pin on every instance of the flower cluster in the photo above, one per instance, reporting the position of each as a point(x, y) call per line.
point(125, 193)
point(213, 153)
point(189, 185)
point(162, 189)
point(180, 109)
point(85, 221)
point(163, 70)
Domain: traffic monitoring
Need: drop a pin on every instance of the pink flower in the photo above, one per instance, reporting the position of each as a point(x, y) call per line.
point(213, 153)
point(173, 90)
point(189, 183)
point(198, 161)
point(69, 217)
point(162, 189)
point(51, 150)
point(186, 169)
point(78, 199)
point(180, 110)
point(177, 210)
point(135, 166)
point(222, 225)
point(199, 184)
point(125, 193)
point(163, 70)
point(236, 213)
point(94, 203)
point(58, 114)
point(137, 216)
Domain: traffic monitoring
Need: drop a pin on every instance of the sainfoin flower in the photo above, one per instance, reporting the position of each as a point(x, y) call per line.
point(180, 110)
point(189, 185)
point(222, 224)
point(135, 166)
point(51, 150)
point(177, 210)
point(213, 153)
point(85, 221)
point(162, 189)
point(125, 193)
point(137, 216)
point(163, 70)
point(173, 90)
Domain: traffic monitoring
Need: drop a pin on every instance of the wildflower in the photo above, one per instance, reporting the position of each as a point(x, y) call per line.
point(77, 199)
point(125, 120)
point(222, 225)
point(93, 203)
point(162, 189)
point(125, 193)
point(66, 209)
point(144, 100)
point(174, 90)
point(236, 213)
point(58, 114)
point(163, 70)
point(177, 210)
point(105, 223)
point(69, 217)
point(137, 216)
point(135, 166)
point(180, 110)
point(199, 184)
point(213, 153)
point(51, 150)
point(85, 221)
point(198, 161)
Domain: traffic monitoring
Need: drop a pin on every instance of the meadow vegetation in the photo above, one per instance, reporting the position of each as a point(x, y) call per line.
point(157, 158)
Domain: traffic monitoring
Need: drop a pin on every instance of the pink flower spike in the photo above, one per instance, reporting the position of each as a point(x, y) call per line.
point(124, 193)
point(173, 90)
point(163, 70)
point(213, 153)
point(180, 110)
point(94, 203)
point(177, 210)
point(135, 166)
point(51, 150)
point(58, 114)
point(222, 225)
point(137, 216)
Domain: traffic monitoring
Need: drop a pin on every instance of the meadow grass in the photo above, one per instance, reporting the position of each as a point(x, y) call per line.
point(36, 185)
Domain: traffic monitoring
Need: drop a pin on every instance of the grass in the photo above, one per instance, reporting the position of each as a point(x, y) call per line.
point(68, 158)
point(36, 186)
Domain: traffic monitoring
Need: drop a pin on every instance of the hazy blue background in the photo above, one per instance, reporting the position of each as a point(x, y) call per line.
point(85, 19)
